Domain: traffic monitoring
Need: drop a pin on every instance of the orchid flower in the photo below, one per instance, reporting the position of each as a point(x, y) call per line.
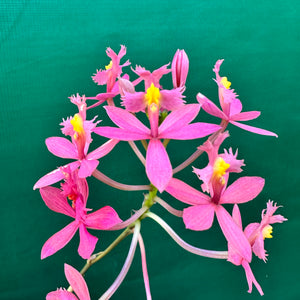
point(175, 126)
point(77, 283)
point(258, 232)
point(76, 190)
point(80, 131)
point(200, 215)
point(113, 70)
point(230, 104)
point(154, 99)
point(228, 158)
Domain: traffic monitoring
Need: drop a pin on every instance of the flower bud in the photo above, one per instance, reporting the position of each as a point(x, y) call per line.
point(125, 86)
point(180, 68)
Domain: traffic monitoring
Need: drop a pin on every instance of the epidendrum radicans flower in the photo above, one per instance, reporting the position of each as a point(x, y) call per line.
point(230, 104)
point(175, 126)
point(256, 233)
point(200, 215)
point(77, 283)
point(79, 129)
point(76, 190)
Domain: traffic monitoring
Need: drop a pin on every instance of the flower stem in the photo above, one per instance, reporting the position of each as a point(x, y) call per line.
point(137, 152)
point(125, 187)
point(169, 208)
point(183, 244)
point(96, 257)
point(144, 267)
point(198, 152)
point(126, 265)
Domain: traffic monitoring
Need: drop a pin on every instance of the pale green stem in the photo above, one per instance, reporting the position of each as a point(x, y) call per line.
point(137, 152)
point(183, 244)
point(107, 295)
point(125, 187)
point(169, 208)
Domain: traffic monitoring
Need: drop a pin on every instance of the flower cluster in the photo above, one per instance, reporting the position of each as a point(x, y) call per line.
point(169, 118)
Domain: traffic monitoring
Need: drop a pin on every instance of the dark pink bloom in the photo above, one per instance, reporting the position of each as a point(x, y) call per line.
point(77, 283)
point(180, 68)
point(200, 215)
point(76, 190)
point(257, 232)
point(113, 70)
point(230, 104)
point(79, 129)
point(153, 95)
point(228, 159)
point(175, 126)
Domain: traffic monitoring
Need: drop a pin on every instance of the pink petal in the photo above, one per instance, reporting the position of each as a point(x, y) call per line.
point(253, 129)
point(83, 189)
point(171, 99)
point(250, 278)
point(233, 234)
point(236, 216)
point(199, 217)
point(121, 134)
point(77, 282)
point(243, 190)
point(250, 229)
point(102, 219)
point(210, 107)
point(55, 176)
point(61, 147)
point(259, 247)
point(87, 168)
point(102, 150)
point(186, 193)
point(191, 131)
point(61, 295)
point(235, 105)
point(158, 165)
point(56, 201)
point(245, 116)
point(179, 118)
point(59, 240)
point(134, 102)
point(100, 77)
point(126, 120)
point(87, 243)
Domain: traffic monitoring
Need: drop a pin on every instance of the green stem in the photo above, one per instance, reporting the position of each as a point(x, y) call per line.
point(96, 257)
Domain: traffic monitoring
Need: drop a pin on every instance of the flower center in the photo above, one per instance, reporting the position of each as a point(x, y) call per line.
point(152, 97)
point(219, 169)
point(109, 66)
point(267, 232)
point(77, 124)
point(225, 83)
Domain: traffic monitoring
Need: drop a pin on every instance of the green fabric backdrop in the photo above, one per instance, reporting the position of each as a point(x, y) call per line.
point(49, 50)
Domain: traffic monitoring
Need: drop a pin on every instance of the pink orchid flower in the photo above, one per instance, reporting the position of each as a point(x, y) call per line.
point(212, 149)
point(258, 232)
point(231, 105)
point(175, 126)
point(113, 70)
point(77, 283)
point(200, 215)
point(235, 258)
point(80, 131)
point(76, 190)
point(180, 68)
point(153, 98)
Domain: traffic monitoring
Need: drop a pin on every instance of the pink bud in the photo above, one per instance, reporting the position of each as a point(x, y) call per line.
point(125, 86)
point(180, 68)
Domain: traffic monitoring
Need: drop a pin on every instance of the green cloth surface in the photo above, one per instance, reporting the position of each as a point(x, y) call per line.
point(50, 49)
